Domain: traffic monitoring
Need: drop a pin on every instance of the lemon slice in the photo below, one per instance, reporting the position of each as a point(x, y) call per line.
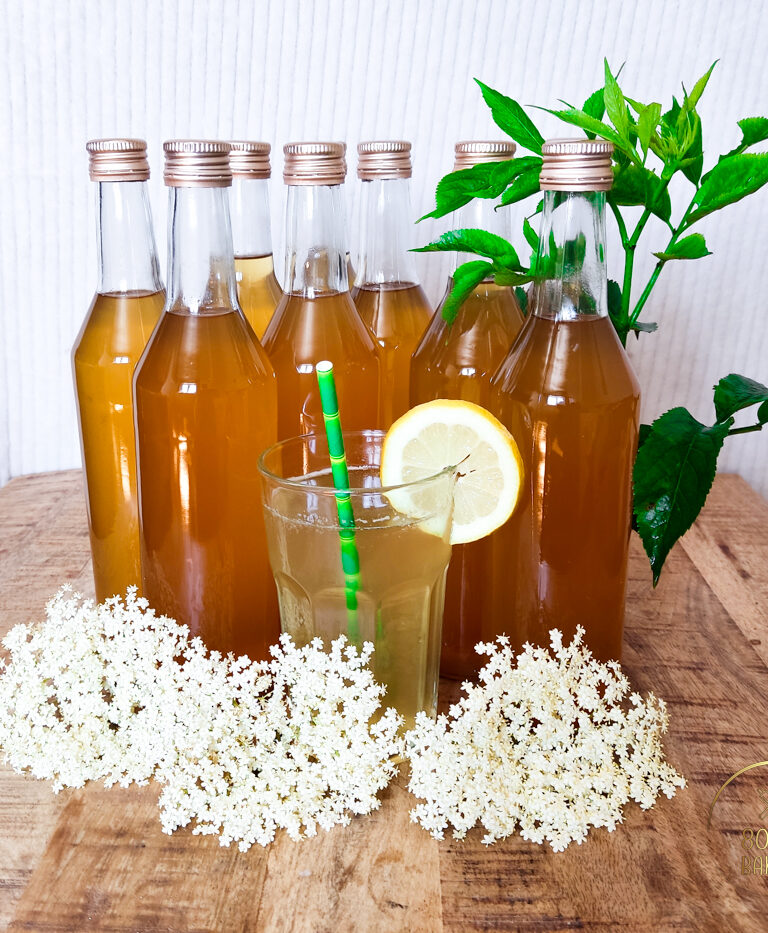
point(445, 433)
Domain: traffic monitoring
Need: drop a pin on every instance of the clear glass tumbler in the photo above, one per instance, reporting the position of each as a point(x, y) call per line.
point(403, 554)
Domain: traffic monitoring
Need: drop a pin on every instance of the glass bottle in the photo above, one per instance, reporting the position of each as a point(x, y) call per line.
point(258, 290)
point(127, 304)
point(316, 318)
point(386, 290)
point(206, 407)
point(569, 396)
point(457, 361)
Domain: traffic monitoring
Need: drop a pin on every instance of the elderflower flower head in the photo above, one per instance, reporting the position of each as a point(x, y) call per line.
point(549, 746)
point(116, 693)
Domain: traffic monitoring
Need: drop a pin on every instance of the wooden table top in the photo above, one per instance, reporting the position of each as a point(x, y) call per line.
point(95, 859)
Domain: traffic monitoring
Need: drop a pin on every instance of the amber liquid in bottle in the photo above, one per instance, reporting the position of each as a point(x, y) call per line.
point(458, 361)
point(120, 320)
point(206, 406)
point(317, 320)
point(258, 290)
point(568, 395)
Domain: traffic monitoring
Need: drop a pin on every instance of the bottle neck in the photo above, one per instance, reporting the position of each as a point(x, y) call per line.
point(201, 265)
point(315, 241)
point(572, 279)
point(387, 233)
point(249, 207)
point(126, 241)
point(479, 215)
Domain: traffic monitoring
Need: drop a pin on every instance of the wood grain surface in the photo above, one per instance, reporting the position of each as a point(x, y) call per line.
point(96, 860)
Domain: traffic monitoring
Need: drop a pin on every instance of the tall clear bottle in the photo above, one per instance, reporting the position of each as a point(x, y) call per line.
point(258, 290)
point(568, 394)
point(316, 318)
point(127, 304)
point(457, 361)
point(386, 289)
point(206, 407)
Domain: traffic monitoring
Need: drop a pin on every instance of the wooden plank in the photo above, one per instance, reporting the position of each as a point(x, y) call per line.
point(727, 544)
point(43, 543)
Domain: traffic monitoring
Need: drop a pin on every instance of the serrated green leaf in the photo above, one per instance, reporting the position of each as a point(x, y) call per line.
point(673, 474)
point(698, 89)
point(634, 185)
point(503, 276)
point(522, 187)
point(729, 181)
point(531, 237)
point(615, 105)
point(735, 392)
point(480, 242)
point(690, 247)
point(647, 121)
point(485, 180)
point(465, 279)
point(590, 125)
point(594, 106)
point(509, 116)
point(753, 130)
point(693, 162)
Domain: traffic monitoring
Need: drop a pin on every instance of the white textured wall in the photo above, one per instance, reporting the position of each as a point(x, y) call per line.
point(339, 69)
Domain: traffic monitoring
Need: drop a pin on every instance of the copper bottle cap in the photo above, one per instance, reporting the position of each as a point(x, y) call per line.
point(473, 152)
point(387, 159)
point(250, 159)
point(197, 163)
point(314, 163)
point(117, 160)
point(576, 165)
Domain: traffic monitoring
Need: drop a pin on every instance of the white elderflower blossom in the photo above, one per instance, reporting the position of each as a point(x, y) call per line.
point(115, 693)
point(550, 746)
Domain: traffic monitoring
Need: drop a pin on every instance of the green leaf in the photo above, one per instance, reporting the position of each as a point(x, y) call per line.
point(635, 184)
point(673, 474)
point(698, 89)
point(735, 392)
point(485, 180)
point(509, 116)
point(615, 105)
point(694, 155)
point(502, 276)
point(475, 241)
point(465, 279)
point(730, 180)
point(523, 186)
point(753, 130)
point(522, 299)
point(614, 305)
point(589, 124)
point(647, 121)
point(690, 247)
point(532, 238)
point(594, 106)
point(762, 413)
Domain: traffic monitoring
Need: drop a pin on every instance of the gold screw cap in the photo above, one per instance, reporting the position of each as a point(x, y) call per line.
point(314, 163)
point(473, 152)
point(249, 159)
point(384, 159)
point(576, 165)
point(197, 163)
point(117, 159)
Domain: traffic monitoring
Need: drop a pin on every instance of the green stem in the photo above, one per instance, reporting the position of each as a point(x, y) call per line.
point(748, 430)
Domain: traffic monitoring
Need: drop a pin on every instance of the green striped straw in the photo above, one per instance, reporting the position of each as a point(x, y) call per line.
point(350, 559)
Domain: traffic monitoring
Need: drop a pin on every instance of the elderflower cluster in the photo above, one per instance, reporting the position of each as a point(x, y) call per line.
point(550, 746)
point(113, 692)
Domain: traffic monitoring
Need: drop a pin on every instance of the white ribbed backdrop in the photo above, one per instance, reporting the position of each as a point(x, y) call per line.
point(339, 69)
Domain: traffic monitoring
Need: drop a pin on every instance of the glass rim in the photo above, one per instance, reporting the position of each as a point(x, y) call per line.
point(290, 483)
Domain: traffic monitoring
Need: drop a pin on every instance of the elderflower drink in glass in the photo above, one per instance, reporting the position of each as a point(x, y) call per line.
point(403, 556)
